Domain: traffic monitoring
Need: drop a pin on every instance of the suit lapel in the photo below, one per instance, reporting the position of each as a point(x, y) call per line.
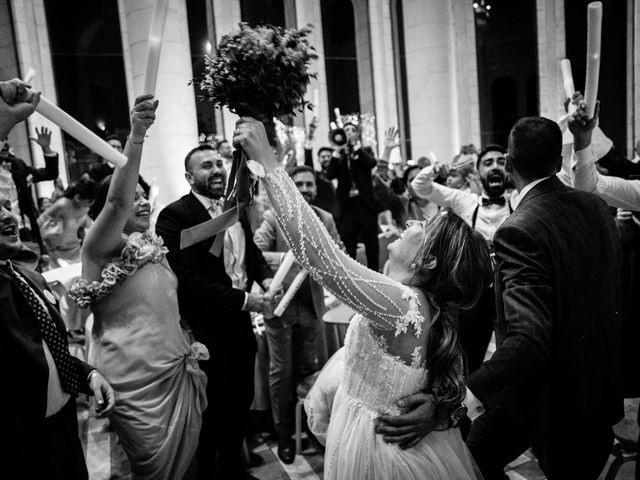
point(198, 211)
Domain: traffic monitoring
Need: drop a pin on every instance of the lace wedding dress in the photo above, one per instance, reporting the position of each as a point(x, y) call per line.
point(384, 356)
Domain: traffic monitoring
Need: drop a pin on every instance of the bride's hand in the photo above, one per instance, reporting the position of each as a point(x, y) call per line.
point(252, 137)
point(143, 114)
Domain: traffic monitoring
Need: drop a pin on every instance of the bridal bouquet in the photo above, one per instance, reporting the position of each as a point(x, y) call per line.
point(259, 71)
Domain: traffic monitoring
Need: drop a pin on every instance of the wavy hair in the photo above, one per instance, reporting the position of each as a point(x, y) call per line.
point(462, 272)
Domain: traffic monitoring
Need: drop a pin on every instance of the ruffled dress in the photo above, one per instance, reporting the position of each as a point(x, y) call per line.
point(147, 357)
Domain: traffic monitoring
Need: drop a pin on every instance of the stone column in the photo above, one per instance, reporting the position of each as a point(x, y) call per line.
point(633, 76)
point(309, 12)
point(385, 98)
point(442, 103)
point(363, 54)
point(34, 51)
point(551, 49)
point(226, 16)
point(465, 76)
point(175, 131)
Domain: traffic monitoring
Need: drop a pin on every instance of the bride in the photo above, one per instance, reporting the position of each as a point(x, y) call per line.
point(401, 342)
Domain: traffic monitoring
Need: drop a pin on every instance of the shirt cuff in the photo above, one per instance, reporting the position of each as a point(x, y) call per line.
point(475, 408)
point(52, 154)
point(584, 157)
point(2, 142)
point(244, 304)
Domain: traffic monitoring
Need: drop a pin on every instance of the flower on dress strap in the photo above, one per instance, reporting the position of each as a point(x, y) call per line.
point(199, 351)
point(140, 249)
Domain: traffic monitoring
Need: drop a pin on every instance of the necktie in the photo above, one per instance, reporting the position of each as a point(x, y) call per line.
point(494, 200)
point(55, 339)
point(216, 207)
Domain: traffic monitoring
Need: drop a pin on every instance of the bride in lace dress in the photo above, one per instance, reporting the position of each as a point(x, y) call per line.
point(402, 340)
point(137, 338)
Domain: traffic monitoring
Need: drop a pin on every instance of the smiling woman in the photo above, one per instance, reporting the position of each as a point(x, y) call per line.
point(137, 337)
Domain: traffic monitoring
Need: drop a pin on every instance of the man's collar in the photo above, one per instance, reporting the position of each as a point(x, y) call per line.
point(526, 189)
point(206, 202)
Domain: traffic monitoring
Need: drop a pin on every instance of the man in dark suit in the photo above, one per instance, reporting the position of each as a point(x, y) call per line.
point(358, 209)
point(24, 176)
point(553, 383)
point(215, 301)
point(40, 378)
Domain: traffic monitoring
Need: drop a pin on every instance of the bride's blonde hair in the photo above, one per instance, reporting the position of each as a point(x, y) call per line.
point(461, 274)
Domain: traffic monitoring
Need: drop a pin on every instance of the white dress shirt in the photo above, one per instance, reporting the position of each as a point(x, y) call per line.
point(617, 192)
point(464, 203)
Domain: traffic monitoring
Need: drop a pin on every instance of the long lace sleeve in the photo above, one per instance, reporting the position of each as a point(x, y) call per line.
point(388, 304)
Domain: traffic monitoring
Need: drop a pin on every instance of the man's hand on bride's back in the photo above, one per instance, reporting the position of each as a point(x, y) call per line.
point(422, 417)
point(252, 137)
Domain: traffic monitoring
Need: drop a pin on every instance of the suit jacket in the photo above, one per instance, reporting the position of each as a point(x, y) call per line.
point(20, 172)
point(206, 298)
point(558, 330)
point(354, 167)
point(24, 368)
point(269, 238)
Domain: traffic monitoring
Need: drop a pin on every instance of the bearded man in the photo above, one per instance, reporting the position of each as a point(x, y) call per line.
point(485, 212)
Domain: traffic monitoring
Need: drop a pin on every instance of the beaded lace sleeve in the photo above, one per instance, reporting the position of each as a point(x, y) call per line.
point(388, 304)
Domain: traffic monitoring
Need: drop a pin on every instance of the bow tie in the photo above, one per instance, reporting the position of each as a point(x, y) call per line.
point(486, 201)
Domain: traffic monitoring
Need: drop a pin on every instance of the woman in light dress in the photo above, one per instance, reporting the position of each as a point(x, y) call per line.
point(64, 224)
point(138, 341)
point(402, 340)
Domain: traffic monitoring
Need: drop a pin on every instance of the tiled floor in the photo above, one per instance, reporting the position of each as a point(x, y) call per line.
point(106, 461)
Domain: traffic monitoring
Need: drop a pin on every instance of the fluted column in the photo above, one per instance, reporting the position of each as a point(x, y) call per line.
point(175, 131)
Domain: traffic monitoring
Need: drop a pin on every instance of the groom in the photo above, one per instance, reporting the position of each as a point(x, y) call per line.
point(553, 383)
point(215, 301)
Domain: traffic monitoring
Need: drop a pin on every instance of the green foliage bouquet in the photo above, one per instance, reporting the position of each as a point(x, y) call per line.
point(259, 71)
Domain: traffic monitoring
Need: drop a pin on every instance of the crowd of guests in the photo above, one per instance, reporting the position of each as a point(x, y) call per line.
point(162, 369)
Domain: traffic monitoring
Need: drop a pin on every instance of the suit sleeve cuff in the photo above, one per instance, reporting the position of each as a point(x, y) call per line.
point(475, 408)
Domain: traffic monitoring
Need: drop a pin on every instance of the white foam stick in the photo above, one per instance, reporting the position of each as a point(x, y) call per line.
point(154, 45)
point(291, 291)
point(283, 269)
point(567, 78)
point(81, 133)
point(594, 30)
point(433, 157)
point(316, 100)
point(28, 78)
point(336, 112)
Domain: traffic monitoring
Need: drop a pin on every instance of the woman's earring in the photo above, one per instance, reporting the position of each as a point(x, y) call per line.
point(413, 265)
